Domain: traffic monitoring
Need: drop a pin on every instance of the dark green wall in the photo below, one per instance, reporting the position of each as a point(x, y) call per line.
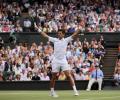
point(110, 38)
point(44, 85)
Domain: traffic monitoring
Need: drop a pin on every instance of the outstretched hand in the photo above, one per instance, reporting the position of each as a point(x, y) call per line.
point(40, 31)
point(36, 27)
point(76, 33)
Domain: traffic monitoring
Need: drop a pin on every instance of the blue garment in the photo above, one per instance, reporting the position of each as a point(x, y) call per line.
point(98, 75)
point(71, 30)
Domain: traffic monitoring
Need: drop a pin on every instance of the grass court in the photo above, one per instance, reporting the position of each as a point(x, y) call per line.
point(63, 95)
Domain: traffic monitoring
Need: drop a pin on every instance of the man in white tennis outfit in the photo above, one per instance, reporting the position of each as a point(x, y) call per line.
point(59, 62)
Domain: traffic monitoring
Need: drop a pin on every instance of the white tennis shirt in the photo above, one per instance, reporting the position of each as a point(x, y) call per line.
point(60, 47)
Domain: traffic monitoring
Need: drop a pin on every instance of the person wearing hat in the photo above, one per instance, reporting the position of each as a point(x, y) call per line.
point(96, 76)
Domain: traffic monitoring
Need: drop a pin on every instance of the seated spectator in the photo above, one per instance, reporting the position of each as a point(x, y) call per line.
point(5, 28)
point(62, 76)
point(71, 29)
point(18, 28)
point(117, 78)
point(29, 76)
point(23, 75)
point(96, 76)
point(36, 77)
point(17, 78)
point(27, 25)
point(117, 67)
point(11, 77)
point(79, 76)
point(2, 65)
point(45, 77)
point(1, 76)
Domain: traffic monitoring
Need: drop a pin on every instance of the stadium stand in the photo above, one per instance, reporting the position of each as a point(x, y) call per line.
point(51, 15)
point(21, 61)
point(24, 60)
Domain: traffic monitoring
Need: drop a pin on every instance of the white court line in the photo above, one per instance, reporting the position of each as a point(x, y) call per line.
point(100, 98)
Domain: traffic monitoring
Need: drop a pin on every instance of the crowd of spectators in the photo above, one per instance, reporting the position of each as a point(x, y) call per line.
point(10, 17)
point(51, 15)
point(33, 62)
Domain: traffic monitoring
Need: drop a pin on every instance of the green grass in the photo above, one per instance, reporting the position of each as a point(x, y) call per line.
point(63, 95)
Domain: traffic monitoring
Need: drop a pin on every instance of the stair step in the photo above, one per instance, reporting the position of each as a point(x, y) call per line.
point(110, 57)
point(108, 65)
point(109, 62)
point(112, 53)
point(106, 73)
point(111, 48)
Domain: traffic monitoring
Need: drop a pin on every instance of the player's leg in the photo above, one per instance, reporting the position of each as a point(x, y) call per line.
point(67, 70)
point(53, 79)
point(90, 83)
point(55, 70)
point(99, 84)
point(52, 85)
point(72, 82)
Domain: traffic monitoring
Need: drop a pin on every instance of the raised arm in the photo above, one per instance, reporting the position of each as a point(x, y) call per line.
point(41, 32)
point(75, 33)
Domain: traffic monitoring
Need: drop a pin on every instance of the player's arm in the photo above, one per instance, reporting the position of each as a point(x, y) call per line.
point(41, 32)
point(44, 34)
point(75, 33)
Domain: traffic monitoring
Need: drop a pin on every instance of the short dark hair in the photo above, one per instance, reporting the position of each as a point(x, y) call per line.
point(96, 66)
point(62, 30)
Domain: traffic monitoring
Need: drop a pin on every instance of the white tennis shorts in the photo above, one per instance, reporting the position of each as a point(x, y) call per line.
point(60, 65)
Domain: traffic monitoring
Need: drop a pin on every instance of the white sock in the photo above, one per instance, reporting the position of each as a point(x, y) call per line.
point(52, 89)
point(74, 88)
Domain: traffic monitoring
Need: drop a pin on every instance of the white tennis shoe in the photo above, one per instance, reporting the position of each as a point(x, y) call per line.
point(53, 94)
point(76, 93)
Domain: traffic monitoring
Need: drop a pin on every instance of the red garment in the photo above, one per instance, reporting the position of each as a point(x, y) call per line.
point(5, 28)
point(91, 69)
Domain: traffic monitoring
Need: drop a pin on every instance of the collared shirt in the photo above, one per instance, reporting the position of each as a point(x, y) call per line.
point(60, 47)
point(99, 74)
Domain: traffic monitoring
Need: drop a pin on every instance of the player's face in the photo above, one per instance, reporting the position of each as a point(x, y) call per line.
point(60, 34)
